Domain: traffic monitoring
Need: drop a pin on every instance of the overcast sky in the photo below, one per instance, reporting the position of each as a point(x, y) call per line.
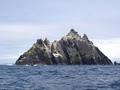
point(24, 21)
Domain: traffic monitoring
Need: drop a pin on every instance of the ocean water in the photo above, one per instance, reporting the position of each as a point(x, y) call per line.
point(61, 77)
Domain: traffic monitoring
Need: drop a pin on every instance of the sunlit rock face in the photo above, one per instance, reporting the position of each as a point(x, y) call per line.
point(72, 49)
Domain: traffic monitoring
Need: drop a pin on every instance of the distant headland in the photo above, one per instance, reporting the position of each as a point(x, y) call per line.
point(72, 49)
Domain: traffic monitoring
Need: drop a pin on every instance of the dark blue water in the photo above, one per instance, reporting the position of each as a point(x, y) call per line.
point(60, 77)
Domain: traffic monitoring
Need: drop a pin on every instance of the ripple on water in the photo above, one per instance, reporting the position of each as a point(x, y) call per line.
point(60, 77)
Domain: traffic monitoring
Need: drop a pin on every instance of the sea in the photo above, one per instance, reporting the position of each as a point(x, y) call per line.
point(60, 77)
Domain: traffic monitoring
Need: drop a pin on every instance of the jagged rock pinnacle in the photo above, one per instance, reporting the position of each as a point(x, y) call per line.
point(40, 41)
point(71, 49)
point(46, 41)
point(72, 35)
point(85, 37)
point(73, 31)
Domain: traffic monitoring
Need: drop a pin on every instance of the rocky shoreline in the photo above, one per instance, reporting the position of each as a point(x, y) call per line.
point(72, 49)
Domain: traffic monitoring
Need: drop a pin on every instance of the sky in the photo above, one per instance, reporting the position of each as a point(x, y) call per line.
point(24, 21)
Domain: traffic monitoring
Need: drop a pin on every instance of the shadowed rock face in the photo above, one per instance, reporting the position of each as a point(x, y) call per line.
point(71, 49)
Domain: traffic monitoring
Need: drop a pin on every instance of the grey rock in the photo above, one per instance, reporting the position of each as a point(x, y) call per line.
point(70, 50)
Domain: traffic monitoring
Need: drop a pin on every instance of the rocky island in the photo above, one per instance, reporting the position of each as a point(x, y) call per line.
point(72, 49)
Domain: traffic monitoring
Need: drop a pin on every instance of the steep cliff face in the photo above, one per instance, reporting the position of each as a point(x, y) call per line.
point(71, 49)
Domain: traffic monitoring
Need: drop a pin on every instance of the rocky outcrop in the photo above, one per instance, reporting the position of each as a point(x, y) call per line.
point(71, 49)
point(116, 63)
